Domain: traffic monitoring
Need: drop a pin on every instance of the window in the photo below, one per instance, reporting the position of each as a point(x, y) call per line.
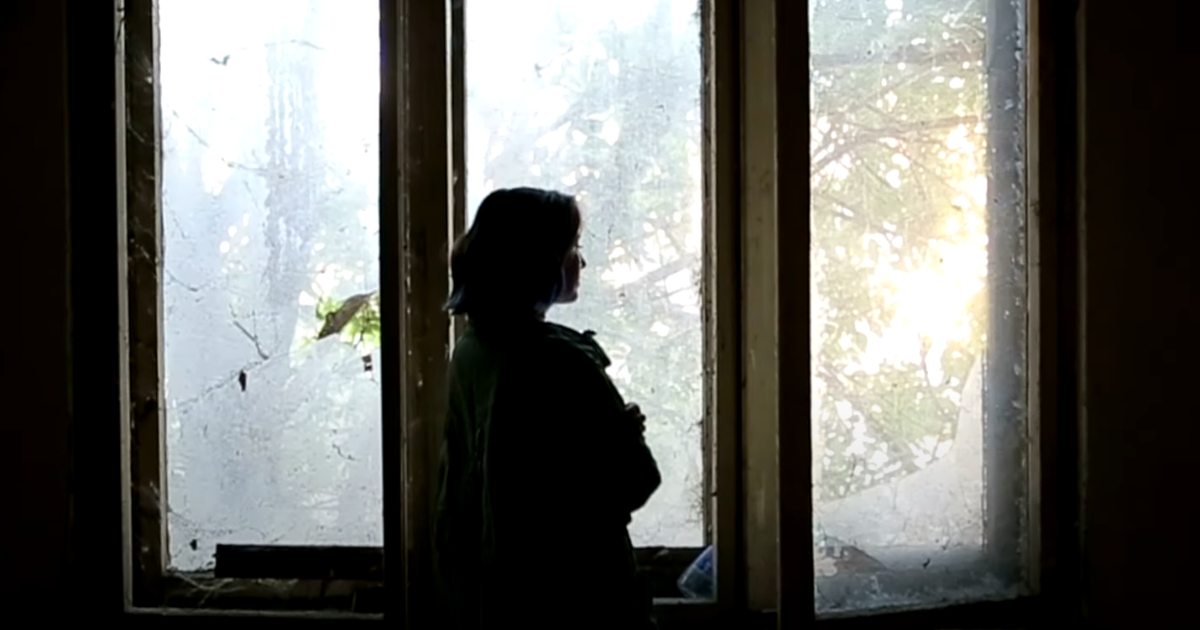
point(918, 281)
point(262, 476)
point(918, 486)
point(603, 101)
point(262, 305)
point(297, 170)
point(270, 182)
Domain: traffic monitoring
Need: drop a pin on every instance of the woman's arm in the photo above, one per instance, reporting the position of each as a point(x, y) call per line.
point(642, 477)
point(611, 454)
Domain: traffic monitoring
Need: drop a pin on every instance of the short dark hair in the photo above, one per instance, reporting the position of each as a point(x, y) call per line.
point(511, 259)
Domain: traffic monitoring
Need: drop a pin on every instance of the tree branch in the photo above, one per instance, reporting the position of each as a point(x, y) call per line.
point(897, 131)
point(906, 457)
point(913, 55)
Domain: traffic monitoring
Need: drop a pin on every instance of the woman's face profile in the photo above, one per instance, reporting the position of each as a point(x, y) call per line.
point(573, 264)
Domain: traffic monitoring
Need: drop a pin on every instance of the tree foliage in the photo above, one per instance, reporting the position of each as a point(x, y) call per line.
point(897, 166)
point(270, 438)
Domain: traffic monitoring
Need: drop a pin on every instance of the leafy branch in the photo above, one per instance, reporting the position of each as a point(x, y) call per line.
point(355, 319)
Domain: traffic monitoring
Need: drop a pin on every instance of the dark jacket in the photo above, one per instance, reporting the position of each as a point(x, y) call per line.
point(540, 471)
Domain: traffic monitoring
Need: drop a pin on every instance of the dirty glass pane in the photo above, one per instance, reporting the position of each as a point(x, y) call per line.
point(918, 282)
point(270, 114)
point(602, 100)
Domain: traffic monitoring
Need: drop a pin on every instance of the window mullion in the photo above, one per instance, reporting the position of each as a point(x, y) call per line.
point(143, 161)
point(458, 131)
point(1004, 372)
point(1052, 288)
point(417, 216)
point(722, 439)
point(458, 117)
point(792, 242)
point(391, 299)
point(759, 294)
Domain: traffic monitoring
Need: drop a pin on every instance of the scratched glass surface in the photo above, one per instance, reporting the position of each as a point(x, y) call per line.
point(918, 311)
point(602, 100)
point(270, 171)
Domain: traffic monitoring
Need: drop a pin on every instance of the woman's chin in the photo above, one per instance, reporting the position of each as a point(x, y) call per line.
point(568, 298)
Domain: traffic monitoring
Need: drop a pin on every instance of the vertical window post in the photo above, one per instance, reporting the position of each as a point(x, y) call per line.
point(143, 164)
point(792, 242)
point(392, 304)
point(759, 294)
point(458, 131)
point(1005, 406)
point(1053, 293)
point(722, 304)
point(420, 72)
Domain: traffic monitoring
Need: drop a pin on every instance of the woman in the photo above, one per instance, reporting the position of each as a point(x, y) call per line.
point(543, 462)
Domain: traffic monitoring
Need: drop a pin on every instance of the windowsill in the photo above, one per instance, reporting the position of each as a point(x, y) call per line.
point(915, 578)
point(211, 613)
point(669, 614)
point(259, 580)
point(206, 594)
point(1003, 614)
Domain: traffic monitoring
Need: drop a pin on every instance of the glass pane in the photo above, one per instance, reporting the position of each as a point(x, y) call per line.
point(270, 114)
point(602, 100)
point(918, 321)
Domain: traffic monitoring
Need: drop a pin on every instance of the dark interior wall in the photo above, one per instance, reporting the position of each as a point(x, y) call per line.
point(1141, 291)
point(1142, 307)
point(36, 456)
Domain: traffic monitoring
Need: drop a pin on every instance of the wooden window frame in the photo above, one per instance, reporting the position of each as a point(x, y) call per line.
point(759, 466)
point(421, 208)
point(1009, 414)
point(1048, 333)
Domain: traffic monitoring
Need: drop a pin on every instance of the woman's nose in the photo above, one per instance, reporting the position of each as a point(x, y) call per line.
point(582, 262)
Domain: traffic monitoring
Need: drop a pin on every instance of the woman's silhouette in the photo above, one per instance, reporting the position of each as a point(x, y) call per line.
point(543, 461)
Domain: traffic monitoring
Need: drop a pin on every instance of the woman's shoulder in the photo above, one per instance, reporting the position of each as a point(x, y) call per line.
point(565, 339)
point(545, 346)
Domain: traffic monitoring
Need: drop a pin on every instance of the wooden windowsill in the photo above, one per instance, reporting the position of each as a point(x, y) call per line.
point(265, 579)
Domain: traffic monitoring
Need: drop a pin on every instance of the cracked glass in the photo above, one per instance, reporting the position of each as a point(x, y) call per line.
point(603, 101)
point(917, 285)
point(270, 114)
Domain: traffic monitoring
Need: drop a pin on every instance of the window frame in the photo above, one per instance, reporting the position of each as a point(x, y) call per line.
point(439, 219)
point(148, 587)
point(143, 225)
point(748, 143)
point(1008, 547)
point(421, 208)
point(1050, 337)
